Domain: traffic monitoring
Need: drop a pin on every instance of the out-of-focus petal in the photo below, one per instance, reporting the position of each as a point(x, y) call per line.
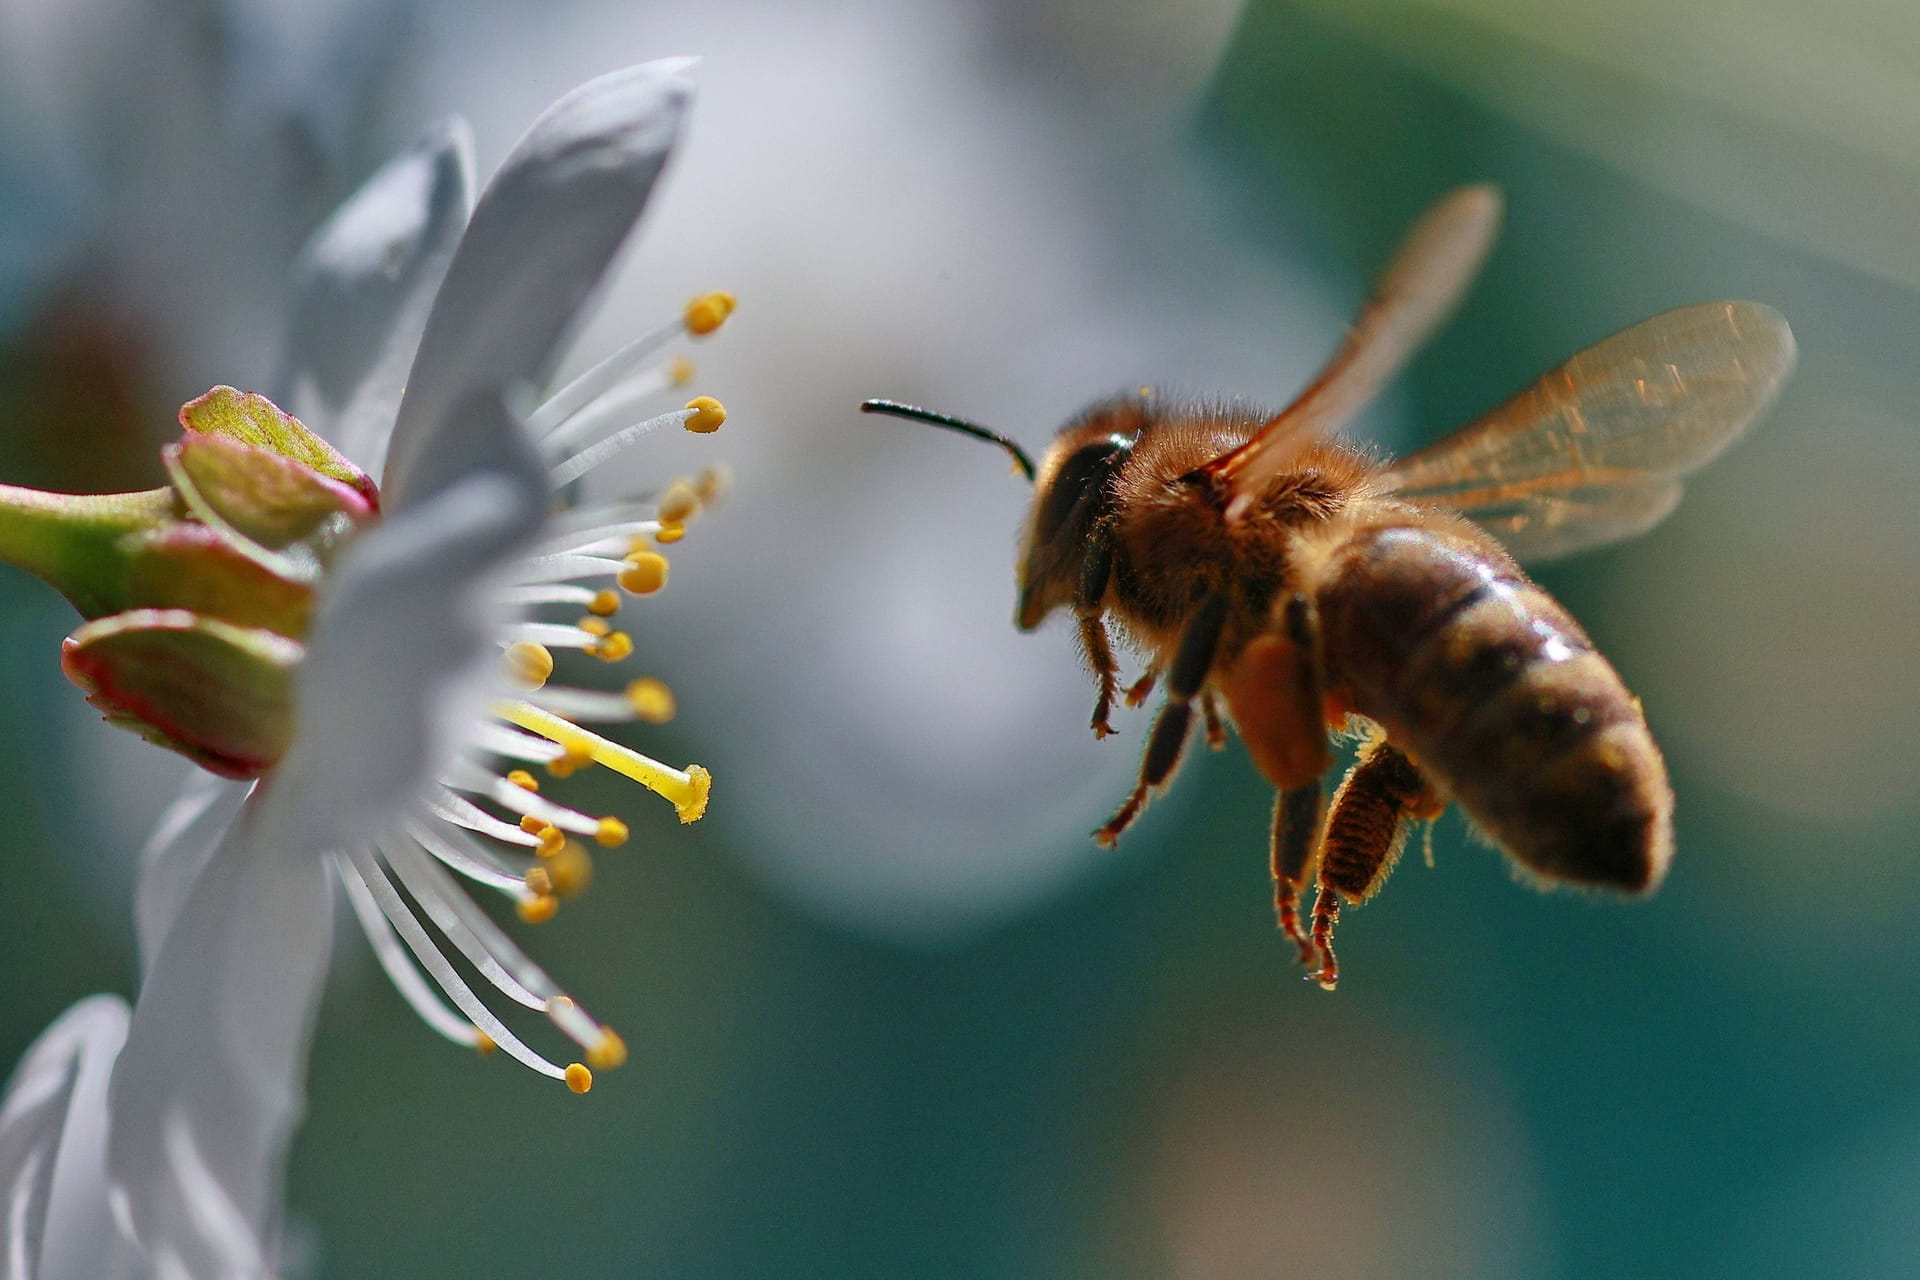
point(182, 841)
point(362, 288)
point(54, 1223)
point(212, 1084)
point(540, 239)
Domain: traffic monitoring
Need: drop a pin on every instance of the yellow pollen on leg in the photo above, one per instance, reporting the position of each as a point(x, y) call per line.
point(608, 1052)
point(604, 604)
point(579, 1079)
point(708, 312)
point(687, 790)
point(646, 573)
point(571, 870)
point(651, 700)
point(528, 664)
point(524, 780)
point(612, 833)
point(708, 414)
point(538, 910)
point(679, 503)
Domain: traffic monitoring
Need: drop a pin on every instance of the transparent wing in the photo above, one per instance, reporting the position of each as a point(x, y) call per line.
point(1419, 289)
point(1594, 451)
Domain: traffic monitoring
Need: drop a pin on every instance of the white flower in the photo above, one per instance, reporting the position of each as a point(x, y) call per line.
point(389, 781)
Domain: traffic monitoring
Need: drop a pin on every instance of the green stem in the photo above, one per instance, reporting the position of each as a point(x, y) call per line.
point(67, 539)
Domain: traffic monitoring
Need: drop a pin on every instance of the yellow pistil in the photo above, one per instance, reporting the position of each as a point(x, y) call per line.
point(538, 910)
point(679, 503)
point(604, 604)
point(571, 869)
point(708, 312)
point(670, 534)
point(609, 1051)
point(646, 573)
point(686, 789)
point(529, 665)
point(579, 1079)
point(524, 780)
point(483, 1043)
point(612, 833)
point(651, 700)
point(708, 414)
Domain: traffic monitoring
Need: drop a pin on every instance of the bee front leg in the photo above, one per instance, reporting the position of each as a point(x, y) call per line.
point(1191, 663)
point(1373, 811)
point(1089, 599)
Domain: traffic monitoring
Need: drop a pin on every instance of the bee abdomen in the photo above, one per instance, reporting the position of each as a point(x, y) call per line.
point(1498, 693)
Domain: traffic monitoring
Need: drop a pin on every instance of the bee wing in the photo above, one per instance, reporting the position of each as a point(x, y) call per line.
point(1419, 288)
point(1594, 451)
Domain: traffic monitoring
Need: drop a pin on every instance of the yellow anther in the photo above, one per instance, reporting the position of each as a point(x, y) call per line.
point(608, 1052)
point(617, 647)
point(596, 627)
point(561, 767)
point(670, 534)
point(713, 483)
point(679, 503)
point(531, 825)
point(539, 883)
point(538, 910)
point(708, 414)
point(651, 700)
point(571, 869)
point(579, 754)
point(579, 1079)
point(524, 780)
point(679, 371)
point(708, 312)
point(528, 664)
point(646, 573)
point(483, 1043)
point(604, 603)
point(686, 789)
point(612, 833)
point(552, 841)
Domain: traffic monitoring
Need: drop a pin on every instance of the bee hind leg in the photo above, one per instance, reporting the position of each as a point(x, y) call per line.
point(1185, 676)
point(1383, 795)
point(1088, 597)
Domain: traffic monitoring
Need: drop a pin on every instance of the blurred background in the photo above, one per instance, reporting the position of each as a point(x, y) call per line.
point(891, 1012)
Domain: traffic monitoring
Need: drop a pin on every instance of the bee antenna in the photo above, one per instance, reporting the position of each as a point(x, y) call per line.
point(893, 408)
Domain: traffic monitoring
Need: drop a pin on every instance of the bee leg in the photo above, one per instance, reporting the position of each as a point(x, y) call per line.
point(1296, 822)
point(1216, 729)
point(1141, 689)
point(1383, 795)
point(1088, 602)
point(1191, 663)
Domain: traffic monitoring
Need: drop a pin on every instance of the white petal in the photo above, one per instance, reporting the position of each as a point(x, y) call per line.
point(182, 841)
point(211, 1085)
point(400, 658)
point(54, 1222)
point(362, 288)
point(540, 239)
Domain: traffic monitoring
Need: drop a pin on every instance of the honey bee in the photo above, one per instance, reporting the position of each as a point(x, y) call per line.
point(1288, 583)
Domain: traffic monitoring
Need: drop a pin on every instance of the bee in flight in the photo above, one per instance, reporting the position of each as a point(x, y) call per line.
point(1280, 579)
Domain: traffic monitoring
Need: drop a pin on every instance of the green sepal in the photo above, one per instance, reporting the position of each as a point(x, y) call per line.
point(219, 694)
point(186, 565)
point(253, 419)
point(264, 496)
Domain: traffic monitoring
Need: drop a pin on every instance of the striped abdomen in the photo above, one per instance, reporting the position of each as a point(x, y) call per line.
point(1498, 694)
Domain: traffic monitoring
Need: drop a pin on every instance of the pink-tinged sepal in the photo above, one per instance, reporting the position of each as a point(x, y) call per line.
point(219, 694)
point(266, 497)
point(253, 419)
